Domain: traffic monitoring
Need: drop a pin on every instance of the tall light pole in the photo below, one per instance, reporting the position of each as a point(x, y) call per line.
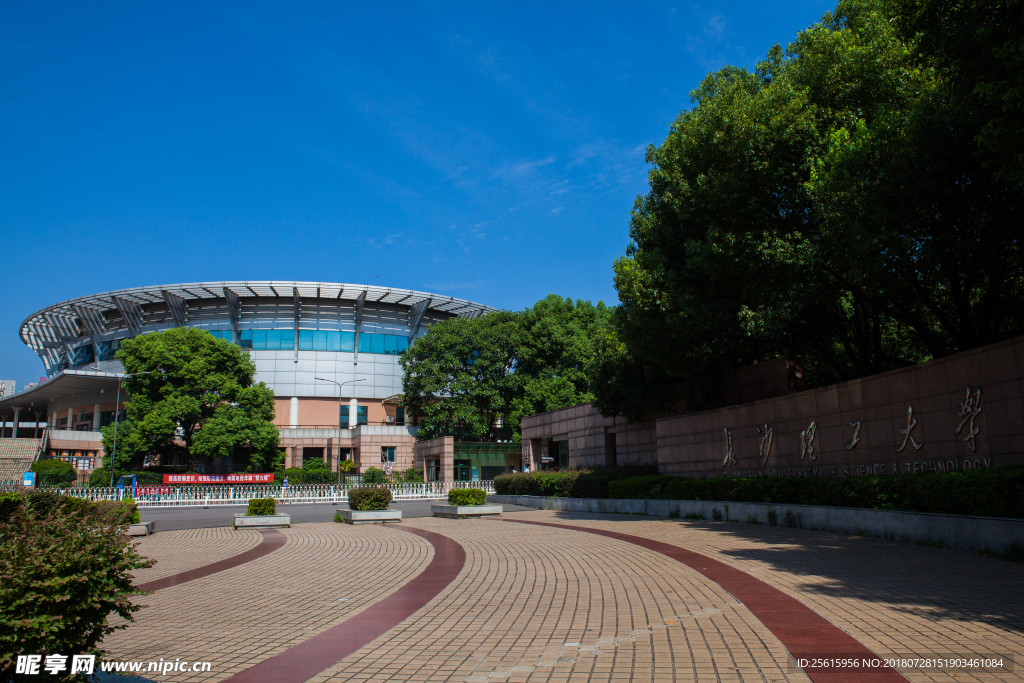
point(117, 403)
point(340, 385)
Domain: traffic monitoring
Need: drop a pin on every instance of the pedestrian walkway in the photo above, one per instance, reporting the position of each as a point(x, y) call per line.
point(543, 603)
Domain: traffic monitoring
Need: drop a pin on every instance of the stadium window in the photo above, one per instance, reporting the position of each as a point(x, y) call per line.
point(387, 453)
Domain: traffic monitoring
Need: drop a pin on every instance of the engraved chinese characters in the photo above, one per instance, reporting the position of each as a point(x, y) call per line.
point(764, 443)
point(969, 409)
point(905, 431)
point(807, 442)
point(730, 454)
point(856, 435)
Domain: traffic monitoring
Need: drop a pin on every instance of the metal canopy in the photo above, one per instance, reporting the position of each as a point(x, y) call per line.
point(63, 384)
point(52, 329)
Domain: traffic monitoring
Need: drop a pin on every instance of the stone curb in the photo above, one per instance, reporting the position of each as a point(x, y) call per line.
point(960, 532)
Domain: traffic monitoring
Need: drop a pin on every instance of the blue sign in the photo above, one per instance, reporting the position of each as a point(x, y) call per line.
point(28, 479)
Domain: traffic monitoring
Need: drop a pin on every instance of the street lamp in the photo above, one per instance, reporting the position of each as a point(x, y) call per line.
point(117, 403)
point(340, 385)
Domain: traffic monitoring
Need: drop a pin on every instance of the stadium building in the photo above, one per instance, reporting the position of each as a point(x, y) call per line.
point(348, 336)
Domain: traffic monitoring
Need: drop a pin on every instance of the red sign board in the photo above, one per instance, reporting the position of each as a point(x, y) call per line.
point(236, 478)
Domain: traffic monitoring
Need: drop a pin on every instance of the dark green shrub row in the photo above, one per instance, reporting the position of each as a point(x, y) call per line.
point(261, 506)
point(64, 571)
point(369, 498)
point(297, 476)
point(994, 492)
point(101, 477)
point(582, 483)
point(467, 497)
point(54, 473)
point(45, 503)
point(315, 465)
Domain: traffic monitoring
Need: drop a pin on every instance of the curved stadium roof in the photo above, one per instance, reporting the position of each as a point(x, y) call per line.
point(61, 325)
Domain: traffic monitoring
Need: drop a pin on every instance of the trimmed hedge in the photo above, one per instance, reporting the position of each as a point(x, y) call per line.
point(54, 472)
point(101, 477)
point(467, 497)
point(583, 483)
point(261, 506)
point(993, 492)
point(372, 475)
point(369, 498)
point(298, 475)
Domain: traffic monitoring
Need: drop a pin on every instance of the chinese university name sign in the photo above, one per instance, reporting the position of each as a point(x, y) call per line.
point(238, 478)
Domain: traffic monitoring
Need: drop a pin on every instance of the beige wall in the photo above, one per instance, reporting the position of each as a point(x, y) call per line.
point(442, 448)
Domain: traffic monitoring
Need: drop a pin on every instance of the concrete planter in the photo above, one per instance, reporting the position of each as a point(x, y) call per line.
point(460, 511)
point(959, 532)
point(370, 516)
point(263, 521)
point(141, 529)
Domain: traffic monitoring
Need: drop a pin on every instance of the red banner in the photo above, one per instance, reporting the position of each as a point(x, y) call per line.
point(237, 478)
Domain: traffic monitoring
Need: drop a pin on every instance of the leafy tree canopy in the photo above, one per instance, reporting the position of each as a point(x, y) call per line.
point(837, 204)
point(466, 374)
point(199, 394)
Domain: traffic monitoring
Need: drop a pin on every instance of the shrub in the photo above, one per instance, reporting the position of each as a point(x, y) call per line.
point(100, 477)
point(372, 475)
point(117, 511)
point(993, 492)
point(54, 472)
point(63, 576)
point(298, 476)
point(315, 465)
point(590, 482)
point(369, 498)
point(467, 497)
point(261, 506)
point(9, 503)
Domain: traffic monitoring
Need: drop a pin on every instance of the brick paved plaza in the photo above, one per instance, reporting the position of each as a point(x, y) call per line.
point(537, 603)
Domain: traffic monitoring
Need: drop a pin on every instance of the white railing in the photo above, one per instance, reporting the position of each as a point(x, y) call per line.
point(219, 494)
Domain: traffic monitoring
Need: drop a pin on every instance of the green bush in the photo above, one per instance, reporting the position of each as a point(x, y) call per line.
point(298, 476)
point(575, 483)
point(369, 498)
point(467, 497)
point(63, 576)
point(372, 475)
point(993, 492)
point(10, 501)
point(54, 473)
point(315, 465)
point(261, 506)
point(100, 477)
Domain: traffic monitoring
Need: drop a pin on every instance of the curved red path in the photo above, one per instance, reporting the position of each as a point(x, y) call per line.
point(272, 540)
point(804, 632)
point(326, 649)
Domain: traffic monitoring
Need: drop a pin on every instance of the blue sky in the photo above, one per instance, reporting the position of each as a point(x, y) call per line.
point(480, 151)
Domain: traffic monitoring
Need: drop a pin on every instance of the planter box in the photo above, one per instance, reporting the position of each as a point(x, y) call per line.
point(263, 521)
point(461, 511)
point(370, 516)
point(141, 529)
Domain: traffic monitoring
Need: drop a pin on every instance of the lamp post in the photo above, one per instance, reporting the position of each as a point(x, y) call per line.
point(340, 385)
point(117, 403)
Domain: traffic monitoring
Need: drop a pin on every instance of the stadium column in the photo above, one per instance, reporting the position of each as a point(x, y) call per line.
point(96, 417)
point(14, 430)
point(293, 412)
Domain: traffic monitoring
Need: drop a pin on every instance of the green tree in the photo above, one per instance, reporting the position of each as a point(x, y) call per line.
point(466, 374)
point(199, 394)
point(461, 374)
point(826, 206)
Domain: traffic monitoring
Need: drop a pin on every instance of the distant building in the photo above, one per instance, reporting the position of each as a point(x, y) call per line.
point(295, 332)
point(6, 387)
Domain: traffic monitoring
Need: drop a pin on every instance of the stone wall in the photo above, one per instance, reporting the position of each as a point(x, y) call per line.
point(955, 413)
point(593, 439)
point(442, 448)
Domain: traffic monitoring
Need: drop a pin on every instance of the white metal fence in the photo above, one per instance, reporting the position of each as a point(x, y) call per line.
point(218, 494)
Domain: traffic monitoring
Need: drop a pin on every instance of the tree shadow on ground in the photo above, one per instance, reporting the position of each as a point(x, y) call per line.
point(915, 579)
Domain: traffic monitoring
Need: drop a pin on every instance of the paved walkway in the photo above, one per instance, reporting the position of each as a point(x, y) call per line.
point(537, 603)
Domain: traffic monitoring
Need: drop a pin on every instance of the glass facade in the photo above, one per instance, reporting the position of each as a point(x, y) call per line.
point(319, 340)
point(362, 416)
